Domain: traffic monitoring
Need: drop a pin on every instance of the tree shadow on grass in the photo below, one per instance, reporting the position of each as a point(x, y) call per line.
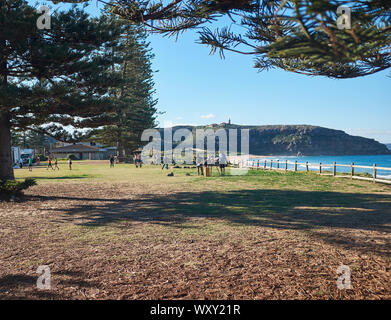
point(84, 176)
point(22, 286)
point(278, 209)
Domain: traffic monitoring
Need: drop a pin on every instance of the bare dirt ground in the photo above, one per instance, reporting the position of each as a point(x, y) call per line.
point(120, 241)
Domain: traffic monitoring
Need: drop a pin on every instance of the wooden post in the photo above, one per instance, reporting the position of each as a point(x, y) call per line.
point(264, 167)
point(374, 173)
point(271, 164)
point(306, 166)
point(286, 165)
point(352, 172)
point(278, 164)
point(295, 165)
point(335, 169)
point(258, 165)
point(320, 168)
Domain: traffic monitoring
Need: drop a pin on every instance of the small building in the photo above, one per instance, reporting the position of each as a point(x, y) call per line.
point(81, 152)
point(225, 124)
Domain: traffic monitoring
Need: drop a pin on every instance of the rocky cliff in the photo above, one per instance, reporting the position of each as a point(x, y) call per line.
point(302, 140)
point(310, 140)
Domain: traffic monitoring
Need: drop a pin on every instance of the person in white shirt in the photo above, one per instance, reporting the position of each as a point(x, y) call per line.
point(222, 162)
point(200, 164)
point(165, 162)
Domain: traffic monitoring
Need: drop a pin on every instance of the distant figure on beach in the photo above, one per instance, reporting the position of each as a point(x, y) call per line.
point(70, 163)
point(56, 164)
point(30, 164)
point(222, 162)
point(165, 162)
point(111, 161)
point(200, 164)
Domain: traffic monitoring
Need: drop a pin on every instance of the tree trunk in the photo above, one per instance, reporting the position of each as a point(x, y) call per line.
point(6, 168)
point(120, 151)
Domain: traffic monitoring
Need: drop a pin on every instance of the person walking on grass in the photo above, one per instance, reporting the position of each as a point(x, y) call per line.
point(56, 164)
point(135, 159)
point(111, 161)
point(70, 163)
point(30, 164)
point(165, 162)
point(49, 164)
point(140, 161)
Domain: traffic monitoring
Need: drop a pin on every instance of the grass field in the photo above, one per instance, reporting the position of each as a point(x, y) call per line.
point(128, 233)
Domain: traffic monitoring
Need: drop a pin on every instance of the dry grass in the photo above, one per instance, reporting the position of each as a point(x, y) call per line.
point(138, 234)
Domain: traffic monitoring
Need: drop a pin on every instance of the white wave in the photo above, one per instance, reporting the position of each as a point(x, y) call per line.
point(388, 177)
point(314, 167)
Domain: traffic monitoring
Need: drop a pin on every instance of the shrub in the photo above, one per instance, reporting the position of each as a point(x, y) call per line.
point(42, 157)
point(72, 157)
point(12, 187)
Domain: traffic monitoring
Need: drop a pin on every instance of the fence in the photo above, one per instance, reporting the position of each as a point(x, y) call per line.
point(350, 169)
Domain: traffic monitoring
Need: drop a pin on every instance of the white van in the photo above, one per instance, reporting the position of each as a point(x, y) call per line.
point(15, 154)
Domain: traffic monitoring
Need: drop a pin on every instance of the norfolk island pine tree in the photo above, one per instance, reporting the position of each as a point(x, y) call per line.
point(54, 77)
point(299, 36)
point(134, 103)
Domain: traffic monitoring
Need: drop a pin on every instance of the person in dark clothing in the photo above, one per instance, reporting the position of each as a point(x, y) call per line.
point(200, 164)
point(111, 161)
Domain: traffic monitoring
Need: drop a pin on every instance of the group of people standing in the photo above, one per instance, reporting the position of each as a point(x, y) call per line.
point(202, 163)
point(137, 160)
point(30, 161)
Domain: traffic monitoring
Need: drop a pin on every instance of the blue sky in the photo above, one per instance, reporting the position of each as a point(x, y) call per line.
point(196, 88)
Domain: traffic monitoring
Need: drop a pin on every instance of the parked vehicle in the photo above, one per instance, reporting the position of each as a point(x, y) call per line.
point(26, 154)
point(15, 154)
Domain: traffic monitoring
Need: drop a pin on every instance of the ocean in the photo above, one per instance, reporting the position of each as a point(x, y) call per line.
point(327, 161)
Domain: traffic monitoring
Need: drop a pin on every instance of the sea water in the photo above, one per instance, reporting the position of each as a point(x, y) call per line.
point(327, 163)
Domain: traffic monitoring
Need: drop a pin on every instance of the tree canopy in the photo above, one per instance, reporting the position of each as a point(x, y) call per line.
point(29, 140)
point(134, 106)
point(295, 35)
point(53, 79)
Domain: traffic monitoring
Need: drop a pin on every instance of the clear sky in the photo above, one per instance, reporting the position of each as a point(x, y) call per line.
point(196, 88)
